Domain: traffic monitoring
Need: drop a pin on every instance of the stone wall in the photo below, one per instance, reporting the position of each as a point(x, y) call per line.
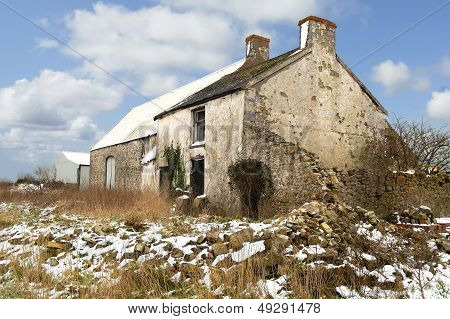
point(128, 166)
point(296, 173)
point(223, 138)
point(150, 173)
point(395, 191)
point(299, 177)
point(317, 104)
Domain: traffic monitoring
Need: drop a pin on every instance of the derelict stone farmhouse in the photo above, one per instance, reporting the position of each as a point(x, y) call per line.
point(296, 112)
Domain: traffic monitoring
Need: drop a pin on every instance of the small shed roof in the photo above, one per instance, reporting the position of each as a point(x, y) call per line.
point(139, 122)
point(77, 158)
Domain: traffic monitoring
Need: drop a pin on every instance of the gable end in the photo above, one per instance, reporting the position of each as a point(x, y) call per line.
point(363, 87)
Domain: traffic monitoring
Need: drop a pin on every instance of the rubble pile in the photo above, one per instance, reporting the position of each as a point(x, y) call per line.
point(349, 245)
point(421, 215)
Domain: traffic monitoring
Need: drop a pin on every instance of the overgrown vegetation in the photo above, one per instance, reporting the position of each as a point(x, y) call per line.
point(45, 174)
point(252, 179)
point(410, 145)
point(27, 179)
point(5, 182)
point(176, 170)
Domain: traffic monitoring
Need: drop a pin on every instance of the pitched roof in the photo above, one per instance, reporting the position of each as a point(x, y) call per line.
point(241, 77)
point(139, 122)
point(77, 158)
point(229, 83)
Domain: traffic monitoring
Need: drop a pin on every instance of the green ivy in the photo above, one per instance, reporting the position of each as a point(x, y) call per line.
point(176, 170)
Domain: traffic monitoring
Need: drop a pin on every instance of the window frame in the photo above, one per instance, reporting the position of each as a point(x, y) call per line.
point(195, 125)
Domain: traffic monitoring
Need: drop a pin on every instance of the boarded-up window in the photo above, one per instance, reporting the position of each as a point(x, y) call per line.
point(110, 172)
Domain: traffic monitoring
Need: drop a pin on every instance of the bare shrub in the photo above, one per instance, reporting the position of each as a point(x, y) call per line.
point(45, 174)
point(252, 179)
point(430, 146)
point(26, 179)
point(409, 145)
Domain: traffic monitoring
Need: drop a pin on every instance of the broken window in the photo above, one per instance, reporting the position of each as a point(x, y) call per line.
point(199, 125)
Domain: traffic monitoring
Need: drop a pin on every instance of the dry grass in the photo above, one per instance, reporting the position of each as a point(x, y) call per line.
point(151, 280)
point(5, 183)
point(133, 206)
point(30, 279)
point(10, 219)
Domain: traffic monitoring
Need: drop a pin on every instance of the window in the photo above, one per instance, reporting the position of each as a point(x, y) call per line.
point(110, 172)
point(199, 125)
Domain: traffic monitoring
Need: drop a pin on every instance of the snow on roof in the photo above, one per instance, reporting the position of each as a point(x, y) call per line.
point(150, 156)
point(139, 122)
point(78, 158)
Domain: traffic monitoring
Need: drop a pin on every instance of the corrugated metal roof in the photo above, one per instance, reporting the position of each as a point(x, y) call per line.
point(139, 122)
point(78, 158)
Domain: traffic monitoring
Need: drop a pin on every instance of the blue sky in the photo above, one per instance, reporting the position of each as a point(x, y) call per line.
point(52, 100)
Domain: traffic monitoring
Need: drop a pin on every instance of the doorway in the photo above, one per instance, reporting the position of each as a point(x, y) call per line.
point(164, 179)
point(110, 172)
point(198, 176)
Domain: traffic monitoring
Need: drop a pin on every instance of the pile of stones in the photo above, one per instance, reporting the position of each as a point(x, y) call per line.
point(422, 215)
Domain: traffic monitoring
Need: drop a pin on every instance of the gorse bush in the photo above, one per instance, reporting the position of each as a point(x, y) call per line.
point(252, 179)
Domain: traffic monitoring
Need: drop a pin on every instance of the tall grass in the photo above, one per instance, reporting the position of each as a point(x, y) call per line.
point(134, 206)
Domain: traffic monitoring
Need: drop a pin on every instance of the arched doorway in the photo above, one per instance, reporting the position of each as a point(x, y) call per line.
point(110, 172)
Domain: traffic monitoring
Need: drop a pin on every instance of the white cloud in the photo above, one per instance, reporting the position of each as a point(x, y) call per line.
point(256, 12)
point(52, 108)
point(155, 49)
point(46, 43)
point(43, 22)
point(444, 66)
point(396, 77)
point(152, 49)
point(439, 105)
point(54, 97)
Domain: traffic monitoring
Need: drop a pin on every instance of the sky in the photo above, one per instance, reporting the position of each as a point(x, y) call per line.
point(110, 56)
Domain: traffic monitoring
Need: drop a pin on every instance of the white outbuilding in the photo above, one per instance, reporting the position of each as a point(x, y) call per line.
point(73, 168)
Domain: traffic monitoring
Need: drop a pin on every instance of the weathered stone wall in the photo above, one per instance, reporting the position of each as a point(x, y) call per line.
point(150, 175)
point(128, 166)
point(315, 103)
point(396, 191)
point(223, 137)
point(296, 173)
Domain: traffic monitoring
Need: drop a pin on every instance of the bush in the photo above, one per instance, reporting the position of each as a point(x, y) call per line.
point(27, 179)
point(409, 145)
point(45, 174)
point(252, 179)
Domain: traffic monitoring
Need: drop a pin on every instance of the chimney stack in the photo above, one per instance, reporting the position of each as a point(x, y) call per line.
point(257, 50)
point(318, 33)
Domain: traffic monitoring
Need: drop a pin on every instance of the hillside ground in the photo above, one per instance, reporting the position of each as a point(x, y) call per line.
point(61, 242)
